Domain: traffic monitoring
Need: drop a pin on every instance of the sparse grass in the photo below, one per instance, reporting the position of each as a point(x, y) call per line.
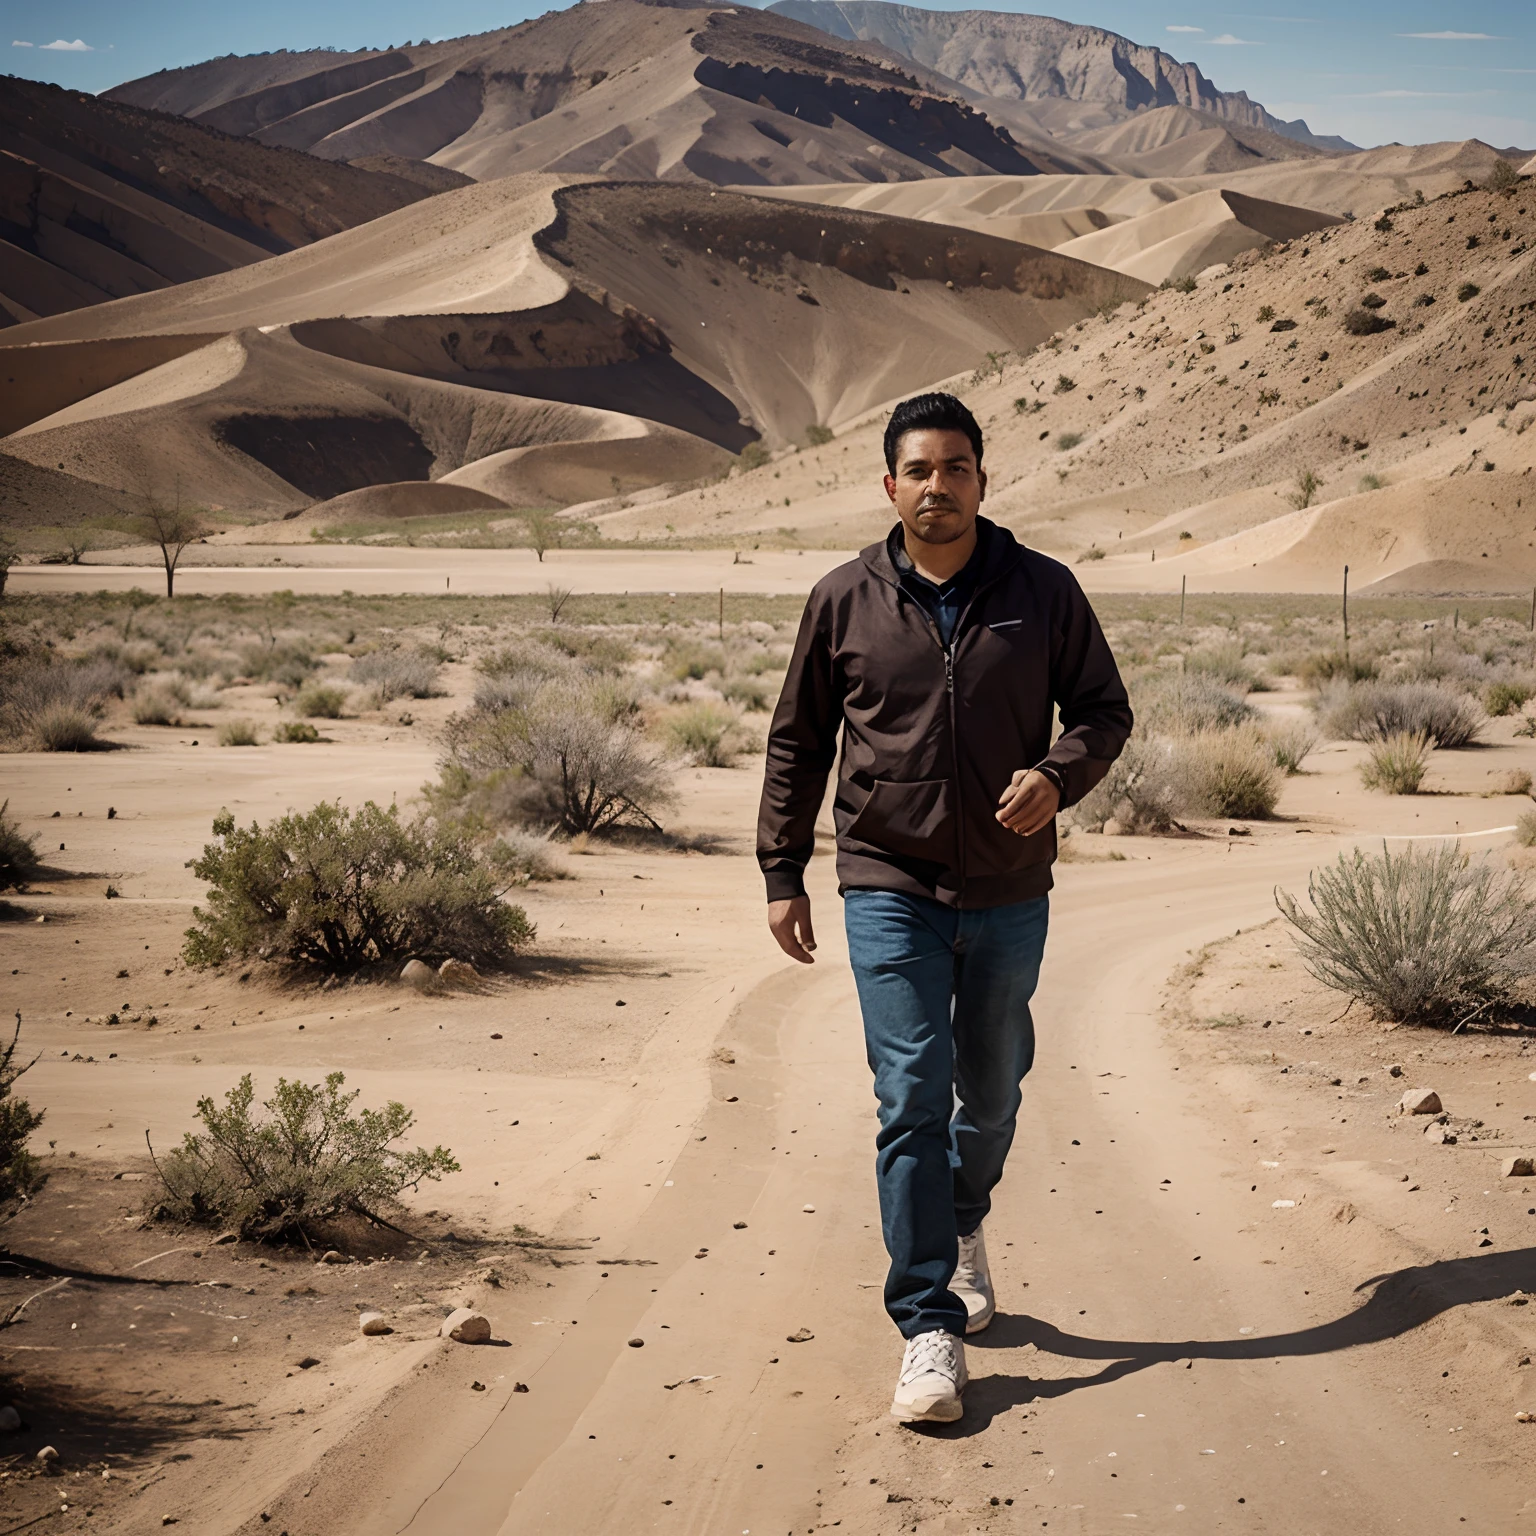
point(1424, 936)
point(1372, 711)
point(1505, 697)
point(1185, 704)
point(1322, 667)
point(1307, 487)
point(295, 732)
point(748, 692)
point(1371, 482)
point(65, 728)
point(320, 701)
point(398, 674)
point(818, 436)
point(1093, 552)
point(706, 734)
point(1397, 763)
point(1291, 745)
point(1067, 441)
point(237, 733)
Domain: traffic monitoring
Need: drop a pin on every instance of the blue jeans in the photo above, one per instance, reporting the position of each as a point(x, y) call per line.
point(945, 996)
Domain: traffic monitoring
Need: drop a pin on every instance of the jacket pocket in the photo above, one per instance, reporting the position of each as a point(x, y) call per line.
point(916, 820)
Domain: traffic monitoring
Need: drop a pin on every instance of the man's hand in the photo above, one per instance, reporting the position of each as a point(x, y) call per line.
point(1028, 804)
point(790, 923)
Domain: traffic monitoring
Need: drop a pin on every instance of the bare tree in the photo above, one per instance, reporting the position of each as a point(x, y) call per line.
point(170, 526)
point(544, 530)
point(78, 543)
point(558, 597)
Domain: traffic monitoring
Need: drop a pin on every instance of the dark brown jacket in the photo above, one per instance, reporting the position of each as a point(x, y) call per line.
point(931, 740)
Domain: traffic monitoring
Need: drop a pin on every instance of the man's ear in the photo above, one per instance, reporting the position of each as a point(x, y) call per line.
point(981, 481)
point(889, 482)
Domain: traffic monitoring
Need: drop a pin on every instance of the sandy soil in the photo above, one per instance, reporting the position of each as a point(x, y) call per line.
point(1169, 1345)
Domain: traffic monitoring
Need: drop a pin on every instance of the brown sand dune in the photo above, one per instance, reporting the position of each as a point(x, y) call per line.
point(1194, 233)
point(1159, 128)
point(640, 299)
point(681, 91)
point(374, 503)
point(99, 199)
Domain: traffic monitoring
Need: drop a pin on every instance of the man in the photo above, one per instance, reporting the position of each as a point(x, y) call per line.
point(938, 654)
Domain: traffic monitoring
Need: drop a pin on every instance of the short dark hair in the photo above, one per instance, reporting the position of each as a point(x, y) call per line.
point(930, 413)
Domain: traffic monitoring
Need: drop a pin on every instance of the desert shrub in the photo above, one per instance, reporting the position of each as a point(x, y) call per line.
point(1185, 703)
point(237, 733)
point(288, 662)
point(1365, 322)
point(1064, 384)
point(521, 858)
point(1397, 763)
point(765, 661)
point(1143, 789)
point(817, 435)
point(1504, 177)
point(705, 734)
point(292, 732)
point(1185, 284)
point(1467, 291)
point(570, 756)
point(398, 674)
point(1266, 313)
point(19, 862)
point(753, 456)
point(1377, 275)
point(1068, 440)
point(1290, 745)
point(1505, 697)
point(1373, 301)
point(65, 728)
point(320, 701)
point(20, 1171)
point(1525, 829)
point(1227, 664)
point(156, 704)
point(340, 890)
point(54, 705)
point(1370, 711)
point(686, 658)
point(1371, 482)
point(1227, 773)
point(1424, 936)
point(1092, 553)
point(749, 692)
point(595, 651)
point(1321, 667)
point(1307, 487)
point(308, 1161)
point(1517, 781)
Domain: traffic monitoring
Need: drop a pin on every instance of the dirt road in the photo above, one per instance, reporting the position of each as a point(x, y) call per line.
point(1164, 1353)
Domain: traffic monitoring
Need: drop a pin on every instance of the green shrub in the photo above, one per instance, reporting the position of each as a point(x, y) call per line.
point(1186, 703)
point(1397, 763)
point(237, 733)
point(749, 692)
point(19, 862)
point(818, 436)
point(1307, 487)
point(341, 890)
point(687, 658)
point(1291, 744)
point(308, 1161)
point(1067, 441)
point(1505, 698)
point(1371, 482)
point(1064, 385)
point(1266, 313)
point(753, 456)
point(1467, 291)
point(20, 1172)
point(1322, 667)
point(1371, 711)
point(1504, 177)
point(705, 734)
point(319, 701)
point(294, 732)
point(1423, 936)
point(1227, 664)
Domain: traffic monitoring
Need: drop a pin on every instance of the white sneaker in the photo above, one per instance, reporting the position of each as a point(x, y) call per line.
point(973, 1282)
point(931, 1381)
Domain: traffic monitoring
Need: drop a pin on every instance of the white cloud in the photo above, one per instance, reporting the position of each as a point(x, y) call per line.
point(1226, 40)
point(1456, 37)
point(58, 45)
point(1186, 29)
point(17, 43)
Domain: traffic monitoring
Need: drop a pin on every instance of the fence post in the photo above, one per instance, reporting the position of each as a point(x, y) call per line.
point(1346, 613)
point(1183, 591)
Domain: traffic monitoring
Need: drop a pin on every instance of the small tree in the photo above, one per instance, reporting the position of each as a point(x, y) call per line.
point(1502, 178)
point(1307, 487)
point(170, 527)
point(544, 531)
point(311, 1161)
point(9, 556)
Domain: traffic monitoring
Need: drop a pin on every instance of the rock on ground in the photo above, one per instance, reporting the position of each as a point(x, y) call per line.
point(373, 1323)
point(1420, 1101)
point(458, 973)
point(418, 974)
point(466, 1326)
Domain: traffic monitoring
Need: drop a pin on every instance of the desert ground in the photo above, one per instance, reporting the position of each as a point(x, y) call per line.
point(652, 1100)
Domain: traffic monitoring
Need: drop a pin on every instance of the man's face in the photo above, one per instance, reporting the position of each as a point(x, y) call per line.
point(937, 488)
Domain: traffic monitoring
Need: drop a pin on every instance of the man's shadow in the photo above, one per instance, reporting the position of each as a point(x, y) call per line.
point(1398, 1302)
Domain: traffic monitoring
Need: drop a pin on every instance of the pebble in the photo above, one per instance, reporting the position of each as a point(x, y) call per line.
point(333, 1256)
point(1518, 1168)
point(466, 1326)
point(373, 1324)
point(1420, 1101)
point(739, 1226)
point(810, 1210)
point(1283, 1205)
point(1525, 1418)
point(1439, 1135)
point(1395, 1070)
point(46, 1456)
point(799, 1336)
point(637, 1343)
point(418, 975)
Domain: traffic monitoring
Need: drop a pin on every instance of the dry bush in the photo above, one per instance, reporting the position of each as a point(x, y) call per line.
point(19, 862)
point(1227, 773)
point(749, 692)
point(308, 1161)
point(65, 728)
point(1370, 711)
point(287, 662)
point(295, 732)
point(1184, 703)
point(238, 733)
point(156, 704)
point(54, 706)
point(398, 674)
point(1424, 936)
point(320, 701)
point(20, 1171)
point(1290, 745)
point(1525, 829)
point(686, 658)
point(1320, 667)
point(1397, 763)
point(342, 890)
point(1143, 789)
point(1227, 664)
point(1367, 322)
point(1505, 697)
point(568, 755)
point(521, 857)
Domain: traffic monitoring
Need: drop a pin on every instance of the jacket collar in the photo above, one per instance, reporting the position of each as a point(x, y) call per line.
point(1000, 552)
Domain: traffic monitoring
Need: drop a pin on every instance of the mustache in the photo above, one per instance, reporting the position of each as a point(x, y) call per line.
point(937, 504)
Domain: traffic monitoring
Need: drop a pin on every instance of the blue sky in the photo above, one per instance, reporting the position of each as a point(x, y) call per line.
point(1411, 70)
